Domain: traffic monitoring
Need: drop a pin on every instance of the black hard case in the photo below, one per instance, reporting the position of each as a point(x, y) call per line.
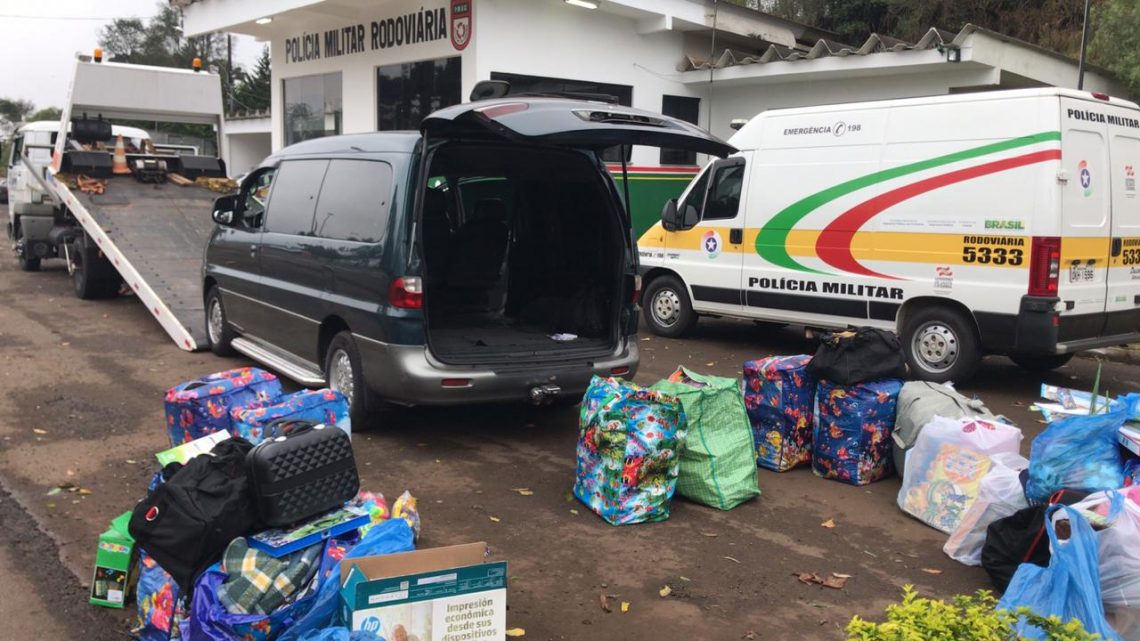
point(303, 470)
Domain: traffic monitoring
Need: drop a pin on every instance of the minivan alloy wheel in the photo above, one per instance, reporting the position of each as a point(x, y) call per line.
point(936, 347)
point(340, 374)
point(214, 324)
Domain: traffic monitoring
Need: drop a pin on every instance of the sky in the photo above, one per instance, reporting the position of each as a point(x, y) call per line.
point(39, 40)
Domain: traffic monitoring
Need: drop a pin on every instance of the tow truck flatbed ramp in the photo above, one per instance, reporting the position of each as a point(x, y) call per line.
point(154, 235)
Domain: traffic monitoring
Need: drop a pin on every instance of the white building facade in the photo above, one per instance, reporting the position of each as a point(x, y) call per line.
point(350, 66)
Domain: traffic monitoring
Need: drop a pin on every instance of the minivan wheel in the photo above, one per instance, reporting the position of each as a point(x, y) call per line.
point(343, 373)
point(218, 332)
point(1041, 362)
point(940, 345)
point(668, 310)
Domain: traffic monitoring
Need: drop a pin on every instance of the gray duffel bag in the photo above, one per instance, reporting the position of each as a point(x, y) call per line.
point(920, 401)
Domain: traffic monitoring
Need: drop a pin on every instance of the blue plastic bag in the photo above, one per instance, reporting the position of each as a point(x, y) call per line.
point(341, 634)
point(393, 535)
point(1077, 453)
point(1069, 587)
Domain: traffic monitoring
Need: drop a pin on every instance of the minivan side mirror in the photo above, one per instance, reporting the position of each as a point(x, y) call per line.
point(224, 209)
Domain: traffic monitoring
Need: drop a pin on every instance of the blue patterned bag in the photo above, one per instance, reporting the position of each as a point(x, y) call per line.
point(200, 407)
point(628, 451)
point(323, 406)
point(852, 438)
point(780, 397)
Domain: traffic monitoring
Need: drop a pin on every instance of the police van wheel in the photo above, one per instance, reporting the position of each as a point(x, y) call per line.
point(667, 309)
point(941, 345)
point(1041, 362)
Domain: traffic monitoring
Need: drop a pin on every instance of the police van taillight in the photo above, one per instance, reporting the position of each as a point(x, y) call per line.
point(406, 292)
point(1045, 266)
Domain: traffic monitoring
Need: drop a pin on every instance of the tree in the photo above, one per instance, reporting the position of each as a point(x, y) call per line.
point(47, 113)
point(253, 89)
point(14, 110)
point(1116, 40)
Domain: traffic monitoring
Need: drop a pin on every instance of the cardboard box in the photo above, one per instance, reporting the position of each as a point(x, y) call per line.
point(114, 561)
point(438, 594)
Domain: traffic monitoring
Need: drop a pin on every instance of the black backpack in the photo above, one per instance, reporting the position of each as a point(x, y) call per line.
point(186, 523)
point(857, 356)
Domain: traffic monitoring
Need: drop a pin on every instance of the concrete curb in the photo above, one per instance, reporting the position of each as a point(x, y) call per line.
point(1128, 355)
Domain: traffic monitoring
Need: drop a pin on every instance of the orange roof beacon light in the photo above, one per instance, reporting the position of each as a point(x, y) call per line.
point(197, 64)
point(98, 56)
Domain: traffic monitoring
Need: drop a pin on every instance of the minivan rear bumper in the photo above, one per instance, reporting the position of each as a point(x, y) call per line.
point(409, 375)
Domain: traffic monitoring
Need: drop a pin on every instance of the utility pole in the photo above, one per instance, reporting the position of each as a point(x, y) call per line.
point(1084, 45)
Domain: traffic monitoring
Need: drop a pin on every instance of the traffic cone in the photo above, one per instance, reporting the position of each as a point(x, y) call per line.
point(119, 166)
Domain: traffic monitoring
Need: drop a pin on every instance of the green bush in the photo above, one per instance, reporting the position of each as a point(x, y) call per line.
point(965, 618)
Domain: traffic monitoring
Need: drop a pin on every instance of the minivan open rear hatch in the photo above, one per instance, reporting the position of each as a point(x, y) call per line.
point(573, 123)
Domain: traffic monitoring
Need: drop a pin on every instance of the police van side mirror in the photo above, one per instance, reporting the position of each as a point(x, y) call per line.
point(224, 209)
point(690, 217)
point(669, 219)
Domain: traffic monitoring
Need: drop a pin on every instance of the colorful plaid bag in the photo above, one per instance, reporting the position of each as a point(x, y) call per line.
point(628, 451)
point(202, 406)
point(852, 438)
point(322, 406)
point(779, 395)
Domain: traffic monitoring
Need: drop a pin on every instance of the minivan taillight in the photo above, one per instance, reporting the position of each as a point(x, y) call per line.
point(407, 292)
point(1044, 266)
point(636, 290)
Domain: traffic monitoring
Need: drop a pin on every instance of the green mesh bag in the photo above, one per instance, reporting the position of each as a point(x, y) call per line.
point(718, 462)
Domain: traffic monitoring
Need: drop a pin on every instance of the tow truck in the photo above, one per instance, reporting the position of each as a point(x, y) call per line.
point(120, 210)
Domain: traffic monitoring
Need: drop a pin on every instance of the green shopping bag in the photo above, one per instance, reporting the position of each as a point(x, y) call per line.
point(718, 462)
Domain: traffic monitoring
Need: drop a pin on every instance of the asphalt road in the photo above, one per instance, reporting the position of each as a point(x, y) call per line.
point(81, 387)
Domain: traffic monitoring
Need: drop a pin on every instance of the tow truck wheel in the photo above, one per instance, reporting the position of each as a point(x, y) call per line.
point(27, 263)
point(667, 309)
point(218, 331)
point(1041, 362)
point(940, 345)
point(94, 275)
point(344, 374)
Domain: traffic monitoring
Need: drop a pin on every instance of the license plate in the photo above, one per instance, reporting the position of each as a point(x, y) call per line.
point(1082, 274)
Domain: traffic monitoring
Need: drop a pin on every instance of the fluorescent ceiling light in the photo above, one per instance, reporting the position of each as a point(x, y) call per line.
point(586, 4)
point(265, 20)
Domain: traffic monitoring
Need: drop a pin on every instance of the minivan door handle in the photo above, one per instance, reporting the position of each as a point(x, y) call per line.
point(1117, 246)
point(253, 251)
point(736, 236)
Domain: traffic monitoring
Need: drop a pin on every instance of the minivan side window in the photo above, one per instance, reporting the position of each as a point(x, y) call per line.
point(354, 201)
point(724, 195)
point(294, 197)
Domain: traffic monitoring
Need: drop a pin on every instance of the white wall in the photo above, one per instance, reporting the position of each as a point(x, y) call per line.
point(246, 151)
point(554, 39)
point(358, 70)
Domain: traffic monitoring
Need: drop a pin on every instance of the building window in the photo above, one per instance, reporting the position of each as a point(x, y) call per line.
point(407, 93)
point(312, 107)
point(681, 108)
point(619, 94)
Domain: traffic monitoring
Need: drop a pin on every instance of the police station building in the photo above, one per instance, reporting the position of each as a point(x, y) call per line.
point(349, 66)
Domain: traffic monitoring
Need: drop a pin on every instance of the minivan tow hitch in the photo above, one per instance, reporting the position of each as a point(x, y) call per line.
point(544, 394)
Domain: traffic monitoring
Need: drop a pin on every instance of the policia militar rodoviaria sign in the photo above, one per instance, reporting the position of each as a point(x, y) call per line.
point(427, 24)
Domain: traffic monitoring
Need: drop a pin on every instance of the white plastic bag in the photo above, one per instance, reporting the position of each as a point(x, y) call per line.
point(946, 466)
point(1118, 545)
point(999, 495)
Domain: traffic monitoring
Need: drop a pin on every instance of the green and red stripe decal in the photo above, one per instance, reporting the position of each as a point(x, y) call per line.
point(834, 243)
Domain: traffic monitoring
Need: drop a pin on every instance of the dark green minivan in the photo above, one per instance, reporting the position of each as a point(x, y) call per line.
point(487, 257)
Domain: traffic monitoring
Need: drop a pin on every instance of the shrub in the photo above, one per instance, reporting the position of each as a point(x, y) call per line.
point(965, 618)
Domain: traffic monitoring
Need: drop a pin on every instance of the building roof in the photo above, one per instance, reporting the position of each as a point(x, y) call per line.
point(933, 39)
